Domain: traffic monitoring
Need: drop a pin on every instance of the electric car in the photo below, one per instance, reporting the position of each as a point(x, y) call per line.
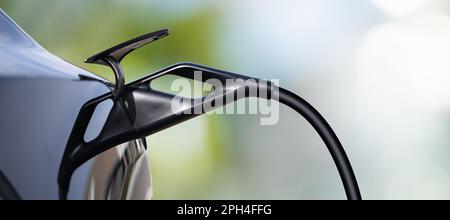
point(42, 95)
point(66, 133)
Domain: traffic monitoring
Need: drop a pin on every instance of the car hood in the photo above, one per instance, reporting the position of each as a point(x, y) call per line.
point(22, 57)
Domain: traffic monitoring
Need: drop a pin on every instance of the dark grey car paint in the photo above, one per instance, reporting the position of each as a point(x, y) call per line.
point(41, 96)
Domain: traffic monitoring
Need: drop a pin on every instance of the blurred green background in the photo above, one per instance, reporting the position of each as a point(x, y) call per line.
point(377, 70)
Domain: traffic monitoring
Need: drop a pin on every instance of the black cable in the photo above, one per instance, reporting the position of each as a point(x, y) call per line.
point(328, 136)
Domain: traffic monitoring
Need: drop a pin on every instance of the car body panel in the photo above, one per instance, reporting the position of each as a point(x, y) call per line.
point(41, 96)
